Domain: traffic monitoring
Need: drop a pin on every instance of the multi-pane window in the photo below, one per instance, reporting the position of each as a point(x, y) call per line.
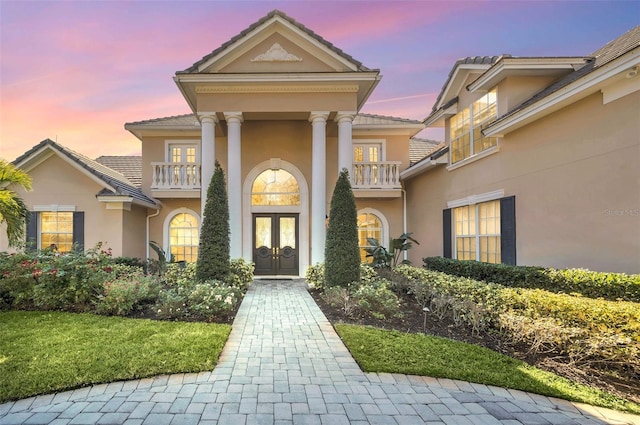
point(365, 159)
point(56, 230)
point(477, 232)
point(183, 238)
point(369, 226)
point(466, 128)
point(275, 187)
point(187, 156)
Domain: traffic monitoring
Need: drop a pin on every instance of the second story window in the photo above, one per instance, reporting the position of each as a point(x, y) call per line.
point(366, 159)
point(466, 128)
point(187, 156)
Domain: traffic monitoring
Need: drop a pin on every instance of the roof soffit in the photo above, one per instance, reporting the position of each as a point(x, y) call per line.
point(457, 82)
point(529, 67)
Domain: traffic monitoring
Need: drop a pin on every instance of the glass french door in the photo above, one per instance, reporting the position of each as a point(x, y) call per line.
point(275, 243)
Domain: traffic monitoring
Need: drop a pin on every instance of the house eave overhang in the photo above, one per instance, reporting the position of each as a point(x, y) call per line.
point(397, 129)
point(437, 119)
point(125, 200)
point(362, 83)
point(509, 66)
point(572, 92)
point(434, 160)
point(455, 84)
point(141, 130)
point(45, 152)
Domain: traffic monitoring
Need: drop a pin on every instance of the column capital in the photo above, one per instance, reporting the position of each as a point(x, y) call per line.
point(343, 116)
point(208, 116)
point(232, 116)
point(315, 116)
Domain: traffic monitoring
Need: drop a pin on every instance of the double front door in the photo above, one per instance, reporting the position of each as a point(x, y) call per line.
point(275, 243)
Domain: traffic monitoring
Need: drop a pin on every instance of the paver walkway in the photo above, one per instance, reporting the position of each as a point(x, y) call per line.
point(284, 364)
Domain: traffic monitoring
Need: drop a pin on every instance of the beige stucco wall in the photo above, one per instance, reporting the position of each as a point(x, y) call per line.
point(57, 182)
point(575, 177)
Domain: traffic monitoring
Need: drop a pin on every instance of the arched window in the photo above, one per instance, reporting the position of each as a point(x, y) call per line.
point(183, 238)
point(275, 187)
point(369, 226)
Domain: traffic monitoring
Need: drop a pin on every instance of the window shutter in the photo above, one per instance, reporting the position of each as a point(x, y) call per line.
point(446, 233)
point(32, 231)
point(78, 230)
point(508, 230)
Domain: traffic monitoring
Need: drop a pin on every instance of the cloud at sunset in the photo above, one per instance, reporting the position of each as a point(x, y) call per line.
point(79, 71)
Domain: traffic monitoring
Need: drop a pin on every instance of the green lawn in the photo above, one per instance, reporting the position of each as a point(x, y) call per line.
point(378, 350)
point(43, 352)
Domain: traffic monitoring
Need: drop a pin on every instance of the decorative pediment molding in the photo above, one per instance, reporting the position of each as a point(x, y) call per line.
point(276, 53)
point(278, 89)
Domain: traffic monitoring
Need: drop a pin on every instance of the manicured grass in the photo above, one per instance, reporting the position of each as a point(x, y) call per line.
point(378, 350)
point(44, 352)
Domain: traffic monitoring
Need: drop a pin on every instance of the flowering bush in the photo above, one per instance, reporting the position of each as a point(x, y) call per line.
point(315, 276)
point(127, 291)
point(212, 300)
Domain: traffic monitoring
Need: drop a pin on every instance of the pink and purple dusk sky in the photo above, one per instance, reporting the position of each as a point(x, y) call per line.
point(76, 71)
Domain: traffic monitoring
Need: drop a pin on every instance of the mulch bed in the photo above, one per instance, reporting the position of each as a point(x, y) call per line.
point(413, 321)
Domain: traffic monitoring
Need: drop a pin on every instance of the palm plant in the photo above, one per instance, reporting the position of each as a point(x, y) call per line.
point(13, 210)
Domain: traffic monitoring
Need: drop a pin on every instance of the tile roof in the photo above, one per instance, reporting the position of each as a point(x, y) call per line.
point(604, 55)
point(194, 68)
point(420, 148)
point(111, 177)
point(470, 60)
point(372, 119)
point(191, 120)
point(128, 166)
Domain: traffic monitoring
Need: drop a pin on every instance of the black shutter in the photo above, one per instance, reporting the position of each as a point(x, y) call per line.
point(446, 233)
point(508, 230)
point(78, 230)
point(32, 231)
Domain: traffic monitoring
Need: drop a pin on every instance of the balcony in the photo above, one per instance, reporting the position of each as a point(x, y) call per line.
point(376, 179)
point(175, 179)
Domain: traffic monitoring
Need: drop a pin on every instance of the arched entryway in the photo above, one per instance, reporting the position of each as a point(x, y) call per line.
point(275, 219)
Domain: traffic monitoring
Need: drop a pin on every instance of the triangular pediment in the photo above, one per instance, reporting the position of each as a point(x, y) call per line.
point(276, 43)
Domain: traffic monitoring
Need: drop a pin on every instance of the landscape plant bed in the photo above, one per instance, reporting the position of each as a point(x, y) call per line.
point(412, 321)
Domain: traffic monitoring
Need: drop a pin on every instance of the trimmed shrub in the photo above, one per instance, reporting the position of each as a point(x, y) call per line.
point(612, 286)
point(342, 254)
point(240, 273)
point(314, 276)
point(213, 251)
point(377, 300)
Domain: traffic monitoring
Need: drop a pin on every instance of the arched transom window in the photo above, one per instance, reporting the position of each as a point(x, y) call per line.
point(183, 238)
point(275, 187)
point(369, 226)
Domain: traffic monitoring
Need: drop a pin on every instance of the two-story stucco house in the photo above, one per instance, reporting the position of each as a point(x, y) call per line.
point(540, 163)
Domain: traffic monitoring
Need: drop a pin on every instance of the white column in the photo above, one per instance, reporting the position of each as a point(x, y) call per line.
point(318, 185)
point(234, 182)
point(208, 122)
point(345, 147)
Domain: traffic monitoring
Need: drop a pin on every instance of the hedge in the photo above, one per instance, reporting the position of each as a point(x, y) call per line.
point(610, 286)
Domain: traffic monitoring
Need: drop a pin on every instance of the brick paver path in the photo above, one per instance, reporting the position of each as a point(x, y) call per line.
point(284, 364)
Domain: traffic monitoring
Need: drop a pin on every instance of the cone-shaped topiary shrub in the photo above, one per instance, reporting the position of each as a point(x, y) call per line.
point(342, 254)
point(213, 253)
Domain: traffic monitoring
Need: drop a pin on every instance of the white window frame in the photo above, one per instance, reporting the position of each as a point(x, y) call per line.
point(380, 143)
point(169, 144)
point(472, 200)
point(166, 244)
point(383, 220)
point(473, 156)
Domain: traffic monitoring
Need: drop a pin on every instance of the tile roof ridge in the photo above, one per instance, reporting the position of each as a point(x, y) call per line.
point(150, 120)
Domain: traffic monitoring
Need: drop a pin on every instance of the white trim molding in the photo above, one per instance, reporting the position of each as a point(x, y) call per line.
point(167, 221)
point(55, 208)
point(476, 199)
